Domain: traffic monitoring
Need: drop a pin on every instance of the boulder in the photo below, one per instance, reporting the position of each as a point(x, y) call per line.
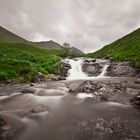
point(117, 69)
point(62, 78)
point(6, 131)
point(137, 81)
point(90, 60)
point(92, 69)
point(38, 109)
point(103, 91)
point(32, 84)
point(135, 101)
point(39, 78)
point(65, 69)
point(28, 90)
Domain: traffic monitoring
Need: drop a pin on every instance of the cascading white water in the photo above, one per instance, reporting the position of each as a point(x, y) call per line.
point(103, 71)
point(76, 70)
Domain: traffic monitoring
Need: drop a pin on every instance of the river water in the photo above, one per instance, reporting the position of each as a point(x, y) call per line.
point(52, 112)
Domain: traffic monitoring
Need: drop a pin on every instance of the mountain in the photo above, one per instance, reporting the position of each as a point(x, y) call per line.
point(76, 50)
point(7, 36)
point(125, 49)
point(49, 44)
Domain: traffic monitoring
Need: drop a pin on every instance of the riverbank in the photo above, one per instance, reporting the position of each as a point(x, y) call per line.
point(98, 107)
point(55, 106)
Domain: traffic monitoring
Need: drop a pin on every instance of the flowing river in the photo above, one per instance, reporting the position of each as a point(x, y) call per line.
point(79, 108)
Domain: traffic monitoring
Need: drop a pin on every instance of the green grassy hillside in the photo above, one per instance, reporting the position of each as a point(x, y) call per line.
point(22, 62)
point(124, 49)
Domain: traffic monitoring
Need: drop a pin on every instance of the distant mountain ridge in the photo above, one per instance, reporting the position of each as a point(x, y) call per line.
point(49, 44)
point(125, 49)
point(9, 37)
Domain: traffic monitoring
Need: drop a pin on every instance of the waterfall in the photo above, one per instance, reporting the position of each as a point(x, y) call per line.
point(103, 71)
point(76, 70)
point(76, 73)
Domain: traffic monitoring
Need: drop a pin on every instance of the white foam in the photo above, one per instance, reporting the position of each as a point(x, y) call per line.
point(76, 70)
point(84, 95)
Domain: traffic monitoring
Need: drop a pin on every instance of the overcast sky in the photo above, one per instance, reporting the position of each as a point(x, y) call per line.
point(85, 24)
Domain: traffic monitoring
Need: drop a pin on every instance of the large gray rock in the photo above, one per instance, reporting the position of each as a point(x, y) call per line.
point(121, 69)
point(65, 69)
point(137, 81)
point(28, 90)
point(6, 131)
point(39, 78)
point(90, 60)
point(135, 101)
point(92, 69)
point(103, 91)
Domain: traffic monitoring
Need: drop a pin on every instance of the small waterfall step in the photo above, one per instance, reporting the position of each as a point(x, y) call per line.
point(76, 72)
point(76, 69)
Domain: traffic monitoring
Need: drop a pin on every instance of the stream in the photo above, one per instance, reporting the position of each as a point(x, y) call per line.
point(82, 107)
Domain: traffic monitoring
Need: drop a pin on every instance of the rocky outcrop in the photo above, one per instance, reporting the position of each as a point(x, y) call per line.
point(117, 69)
point(103, 91)
point(28, 90)
point(91, 68)
point(65, 69)
point(39, 78)
point(5, 129)
point(57, 77)
point(135, 101)
point(137, 81)
point(90, 60)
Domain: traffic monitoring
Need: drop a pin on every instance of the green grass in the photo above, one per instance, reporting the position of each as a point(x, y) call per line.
point(22, 62)
point(124, 49)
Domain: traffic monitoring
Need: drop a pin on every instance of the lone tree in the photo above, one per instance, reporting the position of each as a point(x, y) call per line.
point(66, 47)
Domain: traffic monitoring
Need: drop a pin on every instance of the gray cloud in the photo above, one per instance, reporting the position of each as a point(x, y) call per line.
point(86, 24)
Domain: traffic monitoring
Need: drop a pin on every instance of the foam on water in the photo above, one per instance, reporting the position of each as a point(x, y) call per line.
point(76, 73)
point(84, 95)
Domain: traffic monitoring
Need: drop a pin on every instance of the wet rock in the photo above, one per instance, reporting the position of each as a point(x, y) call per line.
point(103, 129)
point(62, 78)
point(90, 60)
point(65, 69)
point(121, 69)
point(32, 84)
point(6, 130)
point(53, 77)
point(11, 81)
point(92, 69)
point(137, 81)
point(56, 77)
point(135, 101)
point(29, 90)
point(39, 78)
point(103, 91)
point(38, 109)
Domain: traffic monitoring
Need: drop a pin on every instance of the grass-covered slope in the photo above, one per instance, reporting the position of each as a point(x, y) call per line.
point(23, 63)
point(124, 49)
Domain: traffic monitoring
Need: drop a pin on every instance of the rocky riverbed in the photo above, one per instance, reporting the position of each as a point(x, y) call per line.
point(99, 109)
point(104, 104)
